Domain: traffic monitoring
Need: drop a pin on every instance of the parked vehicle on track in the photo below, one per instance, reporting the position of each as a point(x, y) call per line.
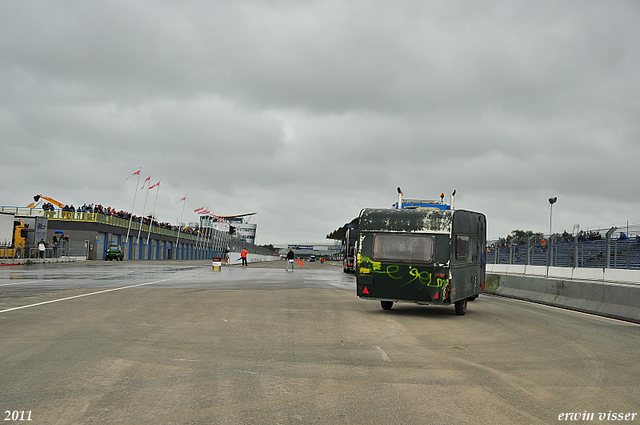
point(13, 236)
point(114, 252)
point(349, 249)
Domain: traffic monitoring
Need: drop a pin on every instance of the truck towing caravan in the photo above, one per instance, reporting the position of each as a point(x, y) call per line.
point(421, 252)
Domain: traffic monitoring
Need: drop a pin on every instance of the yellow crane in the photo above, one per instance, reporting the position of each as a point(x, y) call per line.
point(46, 198)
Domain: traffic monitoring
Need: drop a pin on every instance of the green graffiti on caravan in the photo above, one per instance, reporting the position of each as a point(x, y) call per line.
point(367, 265)
point(395, 271)
point(422, 277)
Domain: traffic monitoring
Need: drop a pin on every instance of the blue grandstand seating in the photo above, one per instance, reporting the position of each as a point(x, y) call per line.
point(625, 254)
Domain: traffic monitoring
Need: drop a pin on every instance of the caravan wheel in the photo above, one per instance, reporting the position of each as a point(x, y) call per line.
point(461, 307)
point(386, 305)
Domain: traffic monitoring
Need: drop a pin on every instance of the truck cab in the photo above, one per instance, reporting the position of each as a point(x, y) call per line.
point(13, 236)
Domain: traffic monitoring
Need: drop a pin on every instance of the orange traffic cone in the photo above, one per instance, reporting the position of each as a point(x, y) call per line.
point(298, 261)
point(302, 263)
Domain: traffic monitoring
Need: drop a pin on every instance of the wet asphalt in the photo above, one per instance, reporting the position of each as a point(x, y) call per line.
point(179, 343)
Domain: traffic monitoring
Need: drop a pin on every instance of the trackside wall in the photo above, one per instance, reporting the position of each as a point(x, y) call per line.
point(606, 292)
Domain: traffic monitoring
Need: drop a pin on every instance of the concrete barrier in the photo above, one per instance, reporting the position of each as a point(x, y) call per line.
point(535, 271)
point(569, 273)
point(560, 272)
point(498, 268)
point(621, 275)
point(610, 299)
point(234, 258)
point(588, 274)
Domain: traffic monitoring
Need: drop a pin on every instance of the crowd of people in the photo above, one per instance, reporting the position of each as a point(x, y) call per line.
point(53, 249)
point(583, 236)
point(589, 236)
point(112, 212)
point(508, 241)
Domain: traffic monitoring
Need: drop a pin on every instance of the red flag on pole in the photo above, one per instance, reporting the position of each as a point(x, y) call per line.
point(145, 181)
point(157, 184)
point(183, 199)
point(199, 209)
point(134, 174)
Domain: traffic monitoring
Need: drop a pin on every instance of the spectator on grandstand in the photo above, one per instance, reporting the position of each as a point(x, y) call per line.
point(594, 236)
point(54, 243)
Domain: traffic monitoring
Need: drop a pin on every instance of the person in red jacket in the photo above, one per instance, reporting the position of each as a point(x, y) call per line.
point(243, 254)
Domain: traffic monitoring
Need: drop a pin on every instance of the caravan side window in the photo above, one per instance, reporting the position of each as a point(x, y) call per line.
point(402, 247)
point(462, 247)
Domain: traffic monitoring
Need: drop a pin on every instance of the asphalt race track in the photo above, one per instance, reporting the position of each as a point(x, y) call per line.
point(177, 343)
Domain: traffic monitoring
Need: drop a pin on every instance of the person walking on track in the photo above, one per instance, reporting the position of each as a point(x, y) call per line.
point(290, 257)
point(243, 254)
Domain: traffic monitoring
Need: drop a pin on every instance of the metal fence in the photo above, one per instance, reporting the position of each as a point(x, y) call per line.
point(595, 249)
point(68, 251)
point(100, 218)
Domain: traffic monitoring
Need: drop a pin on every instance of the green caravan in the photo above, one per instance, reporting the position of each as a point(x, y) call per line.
point(421, 255)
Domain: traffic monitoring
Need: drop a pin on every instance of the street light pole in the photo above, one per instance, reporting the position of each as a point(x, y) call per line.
point(550, 244)
point(551, 202)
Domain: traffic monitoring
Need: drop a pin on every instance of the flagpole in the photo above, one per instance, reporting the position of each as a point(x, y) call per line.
point(204, 234)
point(132, 206)
point(154, 211)
point(199, 211)
point(205, 246)
point(182, 214)
point(208, 240)
point(205, 243)
point(199, 237)
point(211, 234)
point(143, 208)
point(218, 240)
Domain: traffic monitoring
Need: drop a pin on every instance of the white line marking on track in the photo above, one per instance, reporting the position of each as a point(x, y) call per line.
point(381, 351)
point(25, 282)
point(84, 295)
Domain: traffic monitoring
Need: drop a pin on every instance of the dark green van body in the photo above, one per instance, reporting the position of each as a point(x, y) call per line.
point(424, 256)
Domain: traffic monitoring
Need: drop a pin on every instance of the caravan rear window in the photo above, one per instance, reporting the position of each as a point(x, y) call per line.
point(405, 248)
point(462, 247)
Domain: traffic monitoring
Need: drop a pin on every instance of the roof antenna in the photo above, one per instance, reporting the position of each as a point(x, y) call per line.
point(453, 199)
point(399, 204)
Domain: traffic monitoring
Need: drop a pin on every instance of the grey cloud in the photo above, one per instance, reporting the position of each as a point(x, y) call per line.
point(316, 109)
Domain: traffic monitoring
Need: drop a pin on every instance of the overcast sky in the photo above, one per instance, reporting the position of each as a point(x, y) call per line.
point(308, 111)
